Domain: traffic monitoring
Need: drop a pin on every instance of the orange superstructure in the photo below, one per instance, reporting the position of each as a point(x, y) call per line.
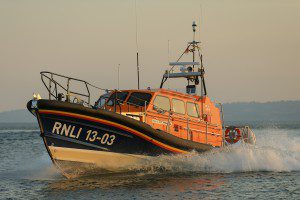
point(182, 115)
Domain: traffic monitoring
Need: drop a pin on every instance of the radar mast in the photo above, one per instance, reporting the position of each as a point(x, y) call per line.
point(189, 70)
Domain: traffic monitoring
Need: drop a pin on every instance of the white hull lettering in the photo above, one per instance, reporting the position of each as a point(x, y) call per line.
point(72, 131)
point(56, 127)
point(65, 130)
point(78, 133)
point(90, 135)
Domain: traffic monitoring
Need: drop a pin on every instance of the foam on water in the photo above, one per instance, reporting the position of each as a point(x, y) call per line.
point(276, 150)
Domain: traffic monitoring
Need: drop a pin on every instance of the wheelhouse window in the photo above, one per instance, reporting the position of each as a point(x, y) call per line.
point(178, 106)
point(119, 97)
point(139, 98)
point(161, 103)
point(101, 101)
point(192, 109)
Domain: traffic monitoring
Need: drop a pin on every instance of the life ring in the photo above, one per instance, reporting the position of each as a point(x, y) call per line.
point(232, 135)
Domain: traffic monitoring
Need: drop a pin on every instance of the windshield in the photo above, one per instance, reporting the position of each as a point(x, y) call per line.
point(118, 96)
point(139, 98)
point(102, 99)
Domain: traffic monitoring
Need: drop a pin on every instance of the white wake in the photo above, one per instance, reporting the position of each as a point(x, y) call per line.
point(276, 150)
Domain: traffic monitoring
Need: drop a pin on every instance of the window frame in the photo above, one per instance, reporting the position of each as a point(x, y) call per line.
point(103, 97)
point(157, 109)
point(132, 93)
point(184, 106)
point(115, 93)
point(195, 104)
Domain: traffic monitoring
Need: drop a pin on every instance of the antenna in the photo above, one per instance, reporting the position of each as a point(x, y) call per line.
point(168, 50)
point(118, 76)
point(194, 32)
point(168, 57)
point(200, 22)
point(137, 48)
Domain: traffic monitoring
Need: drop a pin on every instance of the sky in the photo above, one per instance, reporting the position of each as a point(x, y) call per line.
point(250, 48)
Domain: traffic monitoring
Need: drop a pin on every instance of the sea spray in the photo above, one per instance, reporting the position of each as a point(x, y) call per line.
point(276, 150)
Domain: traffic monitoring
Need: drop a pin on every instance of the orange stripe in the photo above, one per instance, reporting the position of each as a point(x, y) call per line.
point(173, 149)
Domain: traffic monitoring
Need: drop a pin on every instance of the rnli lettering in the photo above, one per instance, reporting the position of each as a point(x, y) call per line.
point(66, 130)
point(74, 132)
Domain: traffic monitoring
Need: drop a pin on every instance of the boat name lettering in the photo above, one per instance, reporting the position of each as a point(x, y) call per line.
point(66, 130)
point(105, 139)
point(74, 132)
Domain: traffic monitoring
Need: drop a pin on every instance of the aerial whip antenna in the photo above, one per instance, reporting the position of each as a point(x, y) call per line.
point(137, 47)
point(194, 42)
point(200, 22)
point(118, 76)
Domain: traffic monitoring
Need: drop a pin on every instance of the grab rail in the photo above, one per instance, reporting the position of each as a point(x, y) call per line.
point(223, 123)
point(52, 79)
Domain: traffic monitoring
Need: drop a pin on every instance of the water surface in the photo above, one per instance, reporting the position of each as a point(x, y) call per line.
point(270, 170)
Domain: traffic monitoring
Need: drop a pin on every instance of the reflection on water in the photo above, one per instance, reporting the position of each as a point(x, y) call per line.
point(176, 182)
point(177, 186)
point(136, 185)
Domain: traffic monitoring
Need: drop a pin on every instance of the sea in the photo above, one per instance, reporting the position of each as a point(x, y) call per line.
point(268, 170)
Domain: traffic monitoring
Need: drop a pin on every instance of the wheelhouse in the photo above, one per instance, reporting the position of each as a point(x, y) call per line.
point(186, 116)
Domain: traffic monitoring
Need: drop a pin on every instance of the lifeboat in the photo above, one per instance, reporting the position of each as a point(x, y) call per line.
point(124, 127)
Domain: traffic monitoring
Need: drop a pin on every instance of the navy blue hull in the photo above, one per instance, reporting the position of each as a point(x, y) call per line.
point(102, 137)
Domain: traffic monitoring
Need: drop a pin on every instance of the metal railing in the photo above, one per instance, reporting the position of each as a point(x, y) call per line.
point(223, 123)
point(50, 79)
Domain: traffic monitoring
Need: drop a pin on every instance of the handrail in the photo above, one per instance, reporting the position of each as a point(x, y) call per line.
point(50, 76)
point(223, 123)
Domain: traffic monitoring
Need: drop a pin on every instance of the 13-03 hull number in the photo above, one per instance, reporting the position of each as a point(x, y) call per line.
point(105, 139)
point(75, 132)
